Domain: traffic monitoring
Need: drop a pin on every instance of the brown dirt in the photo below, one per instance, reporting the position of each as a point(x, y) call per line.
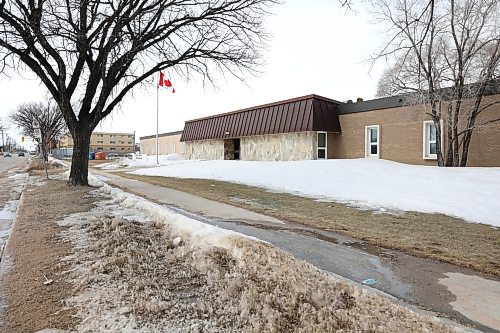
point(35, 249)
point(436, 236)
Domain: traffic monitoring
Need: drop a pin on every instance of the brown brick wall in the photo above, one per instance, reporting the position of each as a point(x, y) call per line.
point(401, 136)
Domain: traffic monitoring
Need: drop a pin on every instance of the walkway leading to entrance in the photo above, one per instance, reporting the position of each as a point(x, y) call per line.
point(426, 283)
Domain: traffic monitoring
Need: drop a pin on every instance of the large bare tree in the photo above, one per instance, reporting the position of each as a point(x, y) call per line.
point(445, 55)
point(47, 115)
point(91, 54)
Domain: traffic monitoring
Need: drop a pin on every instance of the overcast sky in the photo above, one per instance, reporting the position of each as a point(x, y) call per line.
point(315, 48)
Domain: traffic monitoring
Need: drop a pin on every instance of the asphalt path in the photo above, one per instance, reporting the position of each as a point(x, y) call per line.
point(412, 280)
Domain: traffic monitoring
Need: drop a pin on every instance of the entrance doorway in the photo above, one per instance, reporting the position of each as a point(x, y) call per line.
point(232, 149)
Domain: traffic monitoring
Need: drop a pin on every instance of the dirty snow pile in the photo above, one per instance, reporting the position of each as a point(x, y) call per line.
point(139, 161)
point(139, 267)
point(472, 194)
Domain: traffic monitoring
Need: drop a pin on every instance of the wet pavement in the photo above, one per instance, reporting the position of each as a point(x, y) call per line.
point(421, 282)
point(12, 179)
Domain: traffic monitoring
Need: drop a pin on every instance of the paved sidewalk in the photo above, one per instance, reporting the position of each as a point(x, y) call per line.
point(457, 293)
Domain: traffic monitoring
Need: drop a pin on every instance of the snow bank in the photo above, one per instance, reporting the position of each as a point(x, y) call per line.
point(138, 161)
point(472, 194)
point(139, 267)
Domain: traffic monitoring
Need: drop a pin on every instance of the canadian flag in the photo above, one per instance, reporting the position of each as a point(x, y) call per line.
point(163, 82)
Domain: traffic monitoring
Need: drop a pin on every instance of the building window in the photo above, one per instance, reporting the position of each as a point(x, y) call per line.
point(130, 142)
point(123, 148)
point(100, 141)
point(112, 142)
point(321, 145)
point(430, 140)
point(100, 149)
point(112, 149)
point(166, 148)
point(100, 135)
point(372, 140)
point(173, 147)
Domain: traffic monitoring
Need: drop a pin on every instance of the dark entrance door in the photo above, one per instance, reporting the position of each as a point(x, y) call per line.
point(232, 149)
point(236, 149)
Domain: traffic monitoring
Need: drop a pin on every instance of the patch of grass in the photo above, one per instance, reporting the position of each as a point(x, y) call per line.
point(437, 236)
point(98, 162)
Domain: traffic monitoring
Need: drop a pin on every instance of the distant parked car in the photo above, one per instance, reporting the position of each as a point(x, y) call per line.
point(20, 154)
point(7, 154)
point(33, 152)
point(112, 156)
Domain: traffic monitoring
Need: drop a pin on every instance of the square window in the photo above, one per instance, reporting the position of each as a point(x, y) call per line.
point(321, 153)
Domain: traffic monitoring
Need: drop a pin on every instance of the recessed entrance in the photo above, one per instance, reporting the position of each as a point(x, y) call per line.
point(232, 149)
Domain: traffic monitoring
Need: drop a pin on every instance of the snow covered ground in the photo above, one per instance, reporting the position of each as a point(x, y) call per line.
point(140, 267)
point(138, 160)
point(472, 194)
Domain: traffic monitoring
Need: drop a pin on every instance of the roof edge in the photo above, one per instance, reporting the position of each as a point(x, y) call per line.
point(160, 135)
point(290, 100)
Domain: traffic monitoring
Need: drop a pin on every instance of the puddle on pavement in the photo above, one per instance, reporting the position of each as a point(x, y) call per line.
point(304, 232)
point(371, 249)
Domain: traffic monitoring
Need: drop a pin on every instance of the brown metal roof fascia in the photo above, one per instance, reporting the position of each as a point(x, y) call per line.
point(234, 124)
point(291, 100)
point(282, 110)
point(265, 121)
point(224, 124)
point(253, 122)
point(295, 117)
point(324, 117)
point(289, 116)
point(305, 116)
point(260, 122)
point(300, 114)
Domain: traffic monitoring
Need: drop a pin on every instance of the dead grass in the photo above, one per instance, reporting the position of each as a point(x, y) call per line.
point(437, 236)
point(35, 249)
point(98, 162)
point(134, 274)
point(37, 164)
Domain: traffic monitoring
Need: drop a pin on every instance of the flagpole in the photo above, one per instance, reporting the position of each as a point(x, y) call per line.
point(157, 108)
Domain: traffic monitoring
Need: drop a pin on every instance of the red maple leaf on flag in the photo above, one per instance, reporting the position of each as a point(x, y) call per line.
point(165, 82)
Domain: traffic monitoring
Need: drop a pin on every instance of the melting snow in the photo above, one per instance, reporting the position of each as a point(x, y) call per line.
point(472, 194)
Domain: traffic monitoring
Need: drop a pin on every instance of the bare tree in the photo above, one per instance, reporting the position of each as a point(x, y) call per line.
point(446, 58)
point(93, 53)
point(48, 115)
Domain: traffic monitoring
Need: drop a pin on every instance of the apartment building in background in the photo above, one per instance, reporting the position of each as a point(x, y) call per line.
point(118, 143)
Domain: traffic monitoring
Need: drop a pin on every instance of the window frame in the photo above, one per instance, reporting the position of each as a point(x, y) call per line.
point(426, 143)
point(369, 144)
point(325, 148)
point(173, 147)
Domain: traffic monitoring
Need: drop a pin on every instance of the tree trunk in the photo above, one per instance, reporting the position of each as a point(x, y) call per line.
point(80, 161)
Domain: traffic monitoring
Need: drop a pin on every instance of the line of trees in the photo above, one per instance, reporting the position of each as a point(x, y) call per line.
point(445, 55)
point(91, 54)
point(49, 117)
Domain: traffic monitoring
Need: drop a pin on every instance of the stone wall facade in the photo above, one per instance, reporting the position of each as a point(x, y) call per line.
point(279, 147)
point(204, 150)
